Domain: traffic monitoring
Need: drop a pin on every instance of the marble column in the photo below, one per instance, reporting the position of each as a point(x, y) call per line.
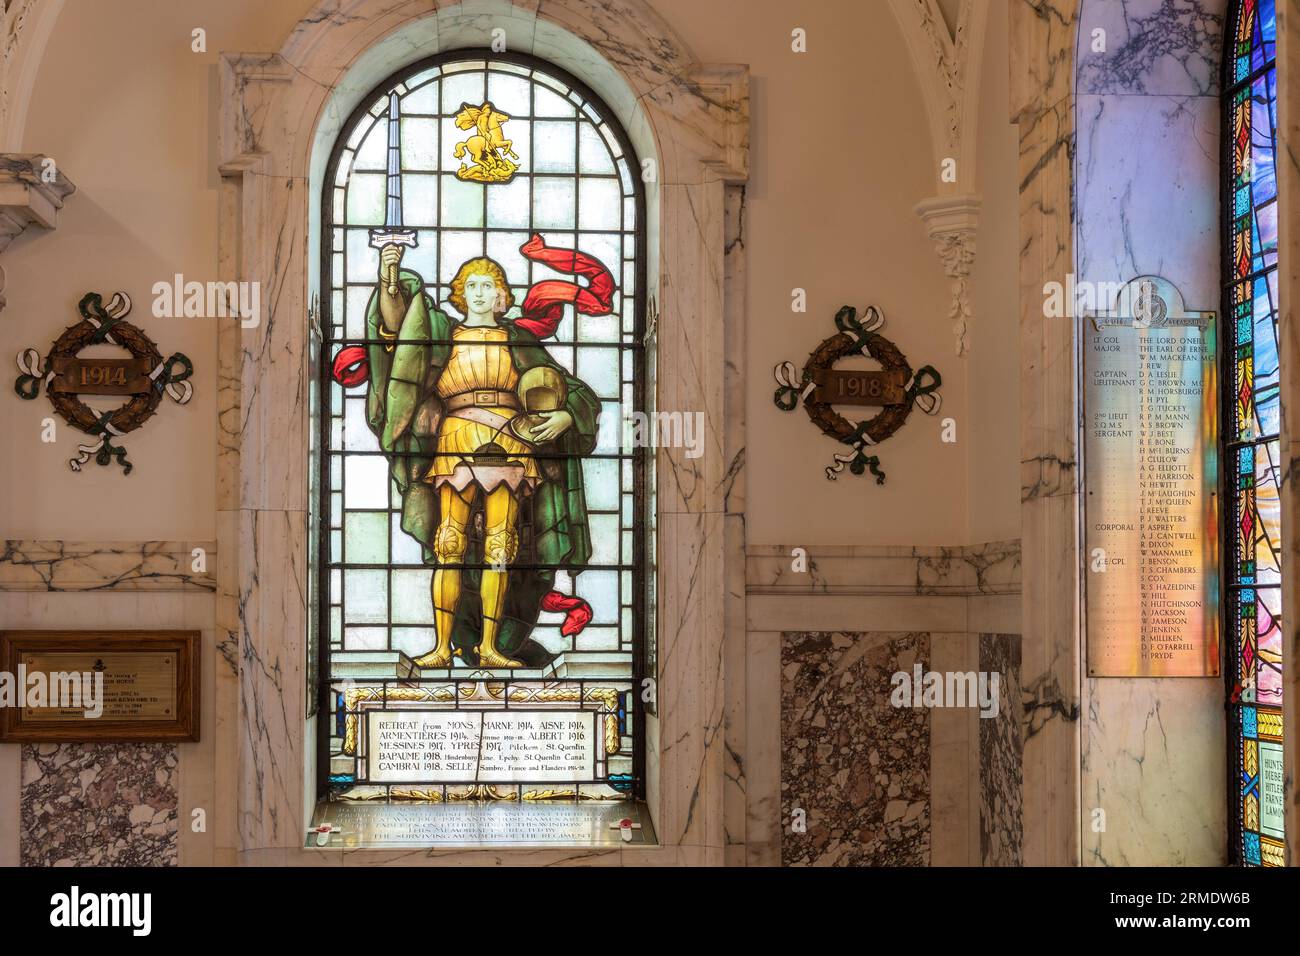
point(1043, 34)
point(1147, 202)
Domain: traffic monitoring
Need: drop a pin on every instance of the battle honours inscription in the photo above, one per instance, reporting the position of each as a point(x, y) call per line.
point(487, 747)
point(1150, 389)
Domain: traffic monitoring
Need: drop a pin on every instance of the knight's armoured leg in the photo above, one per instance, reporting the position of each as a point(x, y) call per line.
point(449, 545)
point(501, 521)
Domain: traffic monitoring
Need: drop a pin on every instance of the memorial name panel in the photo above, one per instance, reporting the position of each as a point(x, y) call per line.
point(1151, 502)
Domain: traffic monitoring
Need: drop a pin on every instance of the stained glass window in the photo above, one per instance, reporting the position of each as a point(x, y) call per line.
point(482, 522)
point(1251, 447)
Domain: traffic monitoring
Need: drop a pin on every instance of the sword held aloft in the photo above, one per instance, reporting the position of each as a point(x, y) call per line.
point(393, 234)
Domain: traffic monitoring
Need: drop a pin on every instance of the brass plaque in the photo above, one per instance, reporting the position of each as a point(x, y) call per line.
point(99, 685)
point(1151, 501)
point(858, 388)
point(137, 685)
point(97, 376)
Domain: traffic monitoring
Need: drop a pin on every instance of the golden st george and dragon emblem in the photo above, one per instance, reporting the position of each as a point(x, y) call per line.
point(488, 151)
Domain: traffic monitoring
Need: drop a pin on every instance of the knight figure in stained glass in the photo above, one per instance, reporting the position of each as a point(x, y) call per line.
point(484, 525)
point(444, 401)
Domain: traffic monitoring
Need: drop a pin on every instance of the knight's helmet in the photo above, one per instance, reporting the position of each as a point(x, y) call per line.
point(540, 389)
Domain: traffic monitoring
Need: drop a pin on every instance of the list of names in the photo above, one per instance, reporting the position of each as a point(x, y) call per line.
point(1150, 440)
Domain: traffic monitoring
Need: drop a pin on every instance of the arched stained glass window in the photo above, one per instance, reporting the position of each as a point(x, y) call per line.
point(1251, 448)
point(482, 526)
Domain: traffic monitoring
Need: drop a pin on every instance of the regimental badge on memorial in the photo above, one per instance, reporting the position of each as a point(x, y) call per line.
point(67, 376)
point(894, 388)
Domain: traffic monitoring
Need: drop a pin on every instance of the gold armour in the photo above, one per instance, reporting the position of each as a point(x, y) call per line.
point(480, 361)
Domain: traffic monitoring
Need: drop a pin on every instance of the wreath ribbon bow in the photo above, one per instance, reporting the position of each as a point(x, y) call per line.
point(847, 321)
point(104, 450)
point(176, 383)
point(792, 389)
point(923, 390)
point(35, 373)
point(858, 335)
point(103, 319)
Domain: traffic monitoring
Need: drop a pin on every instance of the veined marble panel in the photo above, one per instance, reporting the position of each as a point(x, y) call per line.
point(1151, 46)
point(124, 566)
point(735, 717)
point(1043, 38)
point(1154, 773)
point(992, 568)
point(1001, 748)
point(99, 804)
point(1132, 223)
point(858, 767)
point(1043, 42)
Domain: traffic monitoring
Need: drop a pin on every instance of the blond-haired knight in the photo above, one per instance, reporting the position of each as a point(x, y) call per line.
point(486, 484)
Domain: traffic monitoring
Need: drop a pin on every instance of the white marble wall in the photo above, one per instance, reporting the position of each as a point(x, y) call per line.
point(1148, 168)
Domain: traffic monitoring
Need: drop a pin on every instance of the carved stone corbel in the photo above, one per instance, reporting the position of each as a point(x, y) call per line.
point(32, 191)
point(952, 222)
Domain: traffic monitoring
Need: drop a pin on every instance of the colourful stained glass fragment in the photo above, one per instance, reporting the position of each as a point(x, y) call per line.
point(1253, 561)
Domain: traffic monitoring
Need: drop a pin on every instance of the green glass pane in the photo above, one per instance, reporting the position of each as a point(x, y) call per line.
point(367, 199)
point(419, 143)
point(462, 204)
point(365, 537)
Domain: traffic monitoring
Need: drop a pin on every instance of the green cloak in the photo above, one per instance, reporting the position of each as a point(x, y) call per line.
point(404, 410)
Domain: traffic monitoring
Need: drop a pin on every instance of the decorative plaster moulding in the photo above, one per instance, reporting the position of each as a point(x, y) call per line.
point(27, 198)
point(948, 66)
point(952, 222)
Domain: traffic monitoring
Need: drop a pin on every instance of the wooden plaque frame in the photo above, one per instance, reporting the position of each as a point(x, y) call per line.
point(183, 725)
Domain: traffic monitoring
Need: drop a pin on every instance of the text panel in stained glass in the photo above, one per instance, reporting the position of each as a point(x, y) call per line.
point(483, 519)
point(1251, 438)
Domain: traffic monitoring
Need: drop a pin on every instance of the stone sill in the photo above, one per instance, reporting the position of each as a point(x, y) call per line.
point(405, 826)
